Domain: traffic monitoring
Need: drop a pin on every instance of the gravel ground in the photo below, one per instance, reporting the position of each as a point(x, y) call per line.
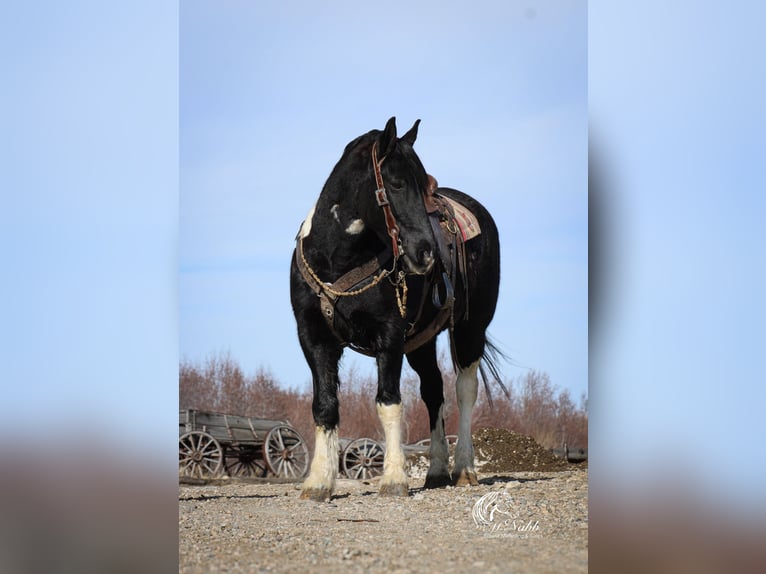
point(539, 524)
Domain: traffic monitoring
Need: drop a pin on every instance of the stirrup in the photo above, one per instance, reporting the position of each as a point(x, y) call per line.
point(449, 298)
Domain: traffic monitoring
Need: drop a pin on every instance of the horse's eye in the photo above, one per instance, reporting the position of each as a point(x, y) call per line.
point(396, 185)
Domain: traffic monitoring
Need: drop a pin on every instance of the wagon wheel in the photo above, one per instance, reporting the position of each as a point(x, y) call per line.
point(244, 461)
point(363, 459)
point(285, 452)
point(199, 455)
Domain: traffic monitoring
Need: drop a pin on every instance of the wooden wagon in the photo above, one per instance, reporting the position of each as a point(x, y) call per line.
point(213, 444)
point(361, 459)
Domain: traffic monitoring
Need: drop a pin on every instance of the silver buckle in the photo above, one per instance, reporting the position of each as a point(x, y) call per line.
point(381, 197)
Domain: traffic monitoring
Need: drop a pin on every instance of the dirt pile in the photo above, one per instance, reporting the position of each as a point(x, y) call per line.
point(502, 450)
point(498, 450)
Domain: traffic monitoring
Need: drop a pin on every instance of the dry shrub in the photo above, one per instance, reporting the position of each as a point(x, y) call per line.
point(534, 408)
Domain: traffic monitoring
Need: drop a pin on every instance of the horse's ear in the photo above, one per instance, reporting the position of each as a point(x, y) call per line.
point(411, 135)
point(387, 139)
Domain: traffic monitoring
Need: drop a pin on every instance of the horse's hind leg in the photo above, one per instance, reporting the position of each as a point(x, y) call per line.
point(423, 361)
point(469, 349)
point(466, 388)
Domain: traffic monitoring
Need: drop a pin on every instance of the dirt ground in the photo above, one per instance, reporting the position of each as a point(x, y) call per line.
point(516, 520)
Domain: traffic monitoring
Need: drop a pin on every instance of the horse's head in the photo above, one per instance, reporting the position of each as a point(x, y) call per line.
point(379, 185)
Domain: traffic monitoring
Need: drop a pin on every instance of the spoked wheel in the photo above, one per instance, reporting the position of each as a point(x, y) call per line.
point(363, 459)
point(244, 461)
point(199, 455)
point(285, 452)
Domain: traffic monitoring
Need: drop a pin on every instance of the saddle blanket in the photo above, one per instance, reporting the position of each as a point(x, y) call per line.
point(466, 221)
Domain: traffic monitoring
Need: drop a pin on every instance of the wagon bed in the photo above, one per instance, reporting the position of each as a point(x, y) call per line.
point(211, 444)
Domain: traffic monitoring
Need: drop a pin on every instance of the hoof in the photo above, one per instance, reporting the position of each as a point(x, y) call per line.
point(437, 481)
point(316, 494)
point(393, 489)
point(467, 477)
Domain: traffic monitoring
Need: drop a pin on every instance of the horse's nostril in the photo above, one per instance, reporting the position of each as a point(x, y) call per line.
point(421, 259)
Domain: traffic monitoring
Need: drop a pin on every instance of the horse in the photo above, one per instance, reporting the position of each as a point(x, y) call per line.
point(381, 265)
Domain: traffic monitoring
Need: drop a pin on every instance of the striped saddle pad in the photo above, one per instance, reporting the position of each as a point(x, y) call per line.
point(466, 221)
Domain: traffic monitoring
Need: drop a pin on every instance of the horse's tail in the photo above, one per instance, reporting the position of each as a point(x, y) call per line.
point(489, 360)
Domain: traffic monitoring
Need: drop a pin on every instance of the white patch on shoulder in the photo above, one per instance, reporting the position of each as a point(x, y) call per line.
point(355, 227)
point(306, 225)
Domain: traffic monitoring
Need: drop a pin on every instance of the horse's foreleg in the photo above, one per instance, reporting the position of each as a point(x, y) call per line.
point(389, 404)
point(394, 480)
point(320, 482)
point(467, 386)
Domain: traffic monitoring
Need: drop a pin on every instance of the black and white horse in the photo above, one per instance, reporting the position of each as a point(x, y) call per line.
point(382, 264)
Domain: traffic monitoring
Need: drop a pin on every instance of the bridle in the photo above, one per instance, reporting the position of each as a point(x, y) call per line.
point(392, 228)
point(373, 272)
point(328, 293)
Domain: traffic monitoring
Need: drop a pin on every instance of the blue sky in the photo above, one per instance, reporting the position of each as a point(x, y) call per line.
point(677, 380)
point(271, 94)
point(89, 228)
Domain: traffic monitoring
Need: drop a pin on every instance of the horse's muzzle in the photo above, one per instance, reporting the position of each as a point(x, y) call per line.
point(423, 265)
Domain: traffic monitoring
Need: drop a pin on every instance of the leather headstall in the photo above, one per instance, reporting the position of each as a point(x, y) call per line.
point(382, 199)
point(369, 274)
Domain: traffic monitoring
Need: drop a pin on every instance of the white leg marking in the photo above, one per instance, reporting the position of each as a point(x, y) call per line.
point(393, 463)
point(324, 467)
point(467, 386)
point(306, 225)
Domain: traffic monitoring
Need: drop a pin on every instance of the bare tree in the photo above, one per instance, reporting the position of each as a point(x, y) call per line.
point(535, 407)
